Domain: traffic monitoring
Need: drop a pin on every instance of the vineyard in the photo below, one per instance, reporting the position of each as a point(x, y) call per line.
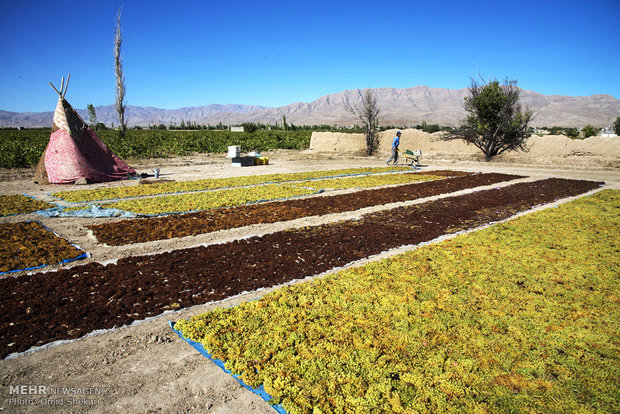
point(23, 148)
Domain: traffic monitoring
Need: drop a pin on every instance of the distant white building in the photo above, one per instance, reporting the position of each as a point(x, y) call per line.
point(608, 132)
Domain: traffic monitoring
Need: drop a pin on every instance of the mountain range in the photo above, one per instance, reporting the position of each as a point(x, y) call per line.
point(401, 107)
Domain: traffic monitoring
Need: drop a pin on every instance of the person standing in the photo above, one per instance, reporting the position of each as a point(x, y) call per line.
point(395, 144)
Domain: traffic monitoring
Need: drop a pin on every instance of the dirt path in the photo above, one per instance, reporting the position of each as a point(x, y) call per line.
point(146, 367)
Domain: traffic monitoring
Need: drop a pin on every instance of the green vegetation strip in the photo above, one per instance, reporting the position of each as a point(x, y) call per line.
point(24, 148)
point(20, 204)
point(207, 184)
point(523, 316)
point(209, 200)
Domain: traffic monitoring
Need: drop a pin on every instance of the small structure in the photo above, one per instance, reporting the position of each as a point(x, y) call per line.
point(74, 153)
point(253, 158)
point(234, 151)
point(608, 132)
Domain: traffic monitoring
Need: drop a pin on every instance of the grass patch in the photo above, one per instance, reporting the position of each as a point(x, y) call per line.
point(521, 317)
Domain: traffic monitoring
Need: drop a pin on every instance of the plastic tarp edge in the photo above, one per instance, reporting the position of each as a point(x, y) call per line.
point(260, 391)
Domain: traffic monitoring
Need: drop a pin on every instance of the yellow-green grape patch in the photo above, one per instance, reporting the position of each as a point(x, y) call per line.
point(523, 316)
point(367, 181)
point(210, 199)
point(20, 204)
point(207, 184)
point(28, 244)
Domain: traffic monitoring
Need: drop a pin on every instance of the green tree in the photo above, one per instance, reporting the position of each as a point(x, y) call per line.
point(432, 128)
point(92, 115)
point(495, 122)
point(556, 130)
point(589, 131)
point(572, 132)
point(249, 127)
point(617, 126)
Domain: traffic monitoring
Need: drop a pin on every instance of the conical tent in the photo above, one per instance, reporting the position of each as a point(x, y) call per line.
point(75, 152)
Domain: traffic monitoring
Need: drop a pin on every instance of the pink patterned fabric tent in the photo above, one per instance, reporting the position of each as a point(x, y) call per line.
point(75, 152)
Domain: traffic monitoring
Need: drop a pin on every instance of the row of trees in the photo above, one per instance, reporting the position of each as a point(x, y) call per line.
point(585, 132)
point(258, 126)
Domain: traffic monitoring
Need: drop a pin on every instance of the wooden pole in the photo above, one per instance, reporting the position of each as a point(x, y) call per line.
point(66, 87)
point(59, 94)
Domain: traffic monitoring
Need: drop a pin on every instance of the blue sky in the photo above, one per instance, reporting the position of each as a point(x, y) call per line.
point(190, 53)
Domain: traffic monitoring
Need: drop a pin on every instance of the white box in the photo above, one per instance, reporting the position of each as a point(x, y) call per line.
point(234, 151)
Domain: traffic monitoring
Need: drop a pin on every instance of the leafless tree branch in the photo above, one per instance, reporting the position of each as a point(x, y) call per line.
point(367, 110)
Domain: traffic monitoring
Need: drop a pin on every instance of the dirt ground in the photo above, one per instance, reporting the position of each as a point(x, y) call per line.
point(146, 367)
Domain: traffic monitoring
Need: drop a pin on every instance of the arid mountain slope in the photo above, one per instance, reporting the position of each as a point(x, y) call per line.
point(408, 106)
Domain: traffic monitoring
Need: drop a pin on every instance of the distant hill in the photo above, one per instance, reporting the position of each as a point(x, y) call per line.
point(408, 106)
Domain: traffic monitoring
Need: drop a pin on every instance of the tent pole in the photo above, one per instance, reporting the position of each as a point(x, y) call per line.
point(66, 87)
point(59, 94)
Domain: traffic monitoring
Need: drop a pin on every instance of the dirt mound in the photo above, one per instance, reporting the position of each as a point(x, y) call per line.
point(548, 150)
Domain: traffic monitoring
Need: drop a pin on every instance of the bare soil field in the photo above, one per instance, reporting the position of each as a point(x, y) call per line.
point(144, 366)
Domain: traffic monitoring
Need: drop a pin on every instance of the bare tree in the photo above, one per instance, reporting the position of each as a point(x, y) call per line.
point(120, 77)
point(367, 111)
point(495, 122)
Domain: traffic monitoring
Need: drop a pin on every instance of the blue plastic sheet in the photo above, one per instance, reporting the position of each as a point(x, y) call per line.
point(89, 211)
point(260, 391)
point(82, 256)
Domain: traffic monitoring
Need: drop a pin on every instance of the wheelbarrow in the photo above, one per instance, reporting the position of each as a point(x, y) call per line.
point(412, 157)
